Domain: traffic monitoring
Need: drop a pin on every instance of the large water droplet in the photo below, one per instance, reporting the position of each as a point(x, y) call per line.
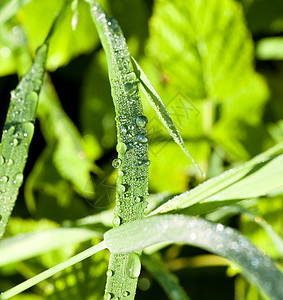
point(19, 178)
point(121, 189)
point(107, 296)
point(126, 293)
point(14, 142)
point(141, 121)
point(142, 138)
point(130, 88)
point(2, 160)
point(109, 273)
point(10, 162)
point(133, 265)
point(121, 147)
point(116, 221)
point(4, 179)
point(116, 163)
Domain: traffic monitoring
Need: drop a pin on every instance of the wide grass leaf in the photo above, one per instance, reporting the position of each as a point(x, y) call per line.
point(255, 178)
point(224, 241)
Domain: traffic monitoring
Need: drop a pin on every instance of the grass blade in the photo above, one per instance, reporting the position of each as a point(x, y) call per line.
point(236, 184)
point(161, 111)
point(8, 10)
point(224, 241)
point(17, 134)
point(168, 281)
point(36, 243)
point(50, 272)
point(132, 147)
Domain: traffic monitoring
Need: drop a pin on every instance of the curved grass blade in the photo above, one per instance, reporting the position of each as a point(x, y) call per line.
point(132, 147)
point(168, 281)
point(233, 185)
point(50, 272)
point(36, 243)
point(224, 241)
point(17, 134)
point(161, 111)
point(8, 10)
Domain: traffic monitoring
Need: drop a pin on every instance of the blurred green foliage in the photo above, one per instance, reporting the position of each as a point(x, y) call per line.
point(226, 101)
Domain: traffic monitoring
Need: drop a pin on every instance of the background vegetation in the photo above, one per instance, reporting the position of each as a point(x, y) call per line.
point(217, 65)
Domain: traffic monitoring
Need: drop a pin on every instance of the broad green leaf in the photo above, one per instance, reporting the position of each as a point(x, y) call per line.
point(224, 241)
point(17, 134)
point(36, 243)
point(168, 281)
point(66, 43)
point(255, 178)
point(270, 48)
point(161, 110)
point(69, 156)
point(50, 272)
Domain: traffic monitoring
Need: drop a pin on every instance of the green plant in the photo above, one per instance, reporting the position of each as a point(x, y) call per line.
point(136, 227)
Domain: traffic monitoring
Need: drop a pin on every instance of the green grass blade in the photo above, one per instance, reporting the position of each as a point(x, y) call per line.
point(168, 281)
point(254, 178)
point(132, 147)
point(161, 111)
point(36, 243)
point(50, 272)
point(8, 10)
point(223, 241)
point(17, 135)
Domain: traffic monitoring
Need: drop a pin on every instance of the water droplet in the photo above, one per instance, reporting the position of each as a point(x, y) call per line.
point(121, 189)
point(116, 221)
point(107, 296)
point(130, 77)
point(141, 121)
point(116, 163)
point(254, 263)
point(32, 100)
point(14, 142)
point(142, 138)
point(130, 88)
point(109, 273)
point(133, 265)
point(10, 162)
point(123, 129)
point(193, 236)
point(126, 293)
point(146, 163)
point(138, 200)
point(121, 147)
point(4, 179)
point(19, 178)
point(219, 227)
point(2, 160)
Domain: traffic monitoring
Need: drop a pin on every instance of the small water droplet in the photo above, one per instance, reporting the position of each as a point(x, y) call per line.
point(10, 162)
point(142, 138)
point(133, 265)
point(2, 160)
point(109, 273)
point(254, 263)
point(123, 129)
point(130, 88)
point(138, 199)
point(193, 236)
point(121, 189)
point(4, 179)
point(219, 227)
point(116, 163)
point(107, 296)
point(116, 221)
point(146, 163)
point(126, 293)
point(121, 147)
point(130, 77)
point(14, 142)
point(19, 178)
point(141, 121)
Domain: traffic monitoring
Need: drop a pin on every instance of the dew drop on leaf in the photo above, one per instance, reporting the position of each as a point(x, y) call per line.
point(14, 142)
point(146, 163)
point(10, 162)
point(142, 138)
point(133, 265)
point(107, 296)
point(2, 160)
point(130, 77)
point(116, 221)
point(4, 179)
point(121, 148)
point(109, 273)
point(141, 121)
point(116, 163)
point(121, 189)
point(130, 88)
